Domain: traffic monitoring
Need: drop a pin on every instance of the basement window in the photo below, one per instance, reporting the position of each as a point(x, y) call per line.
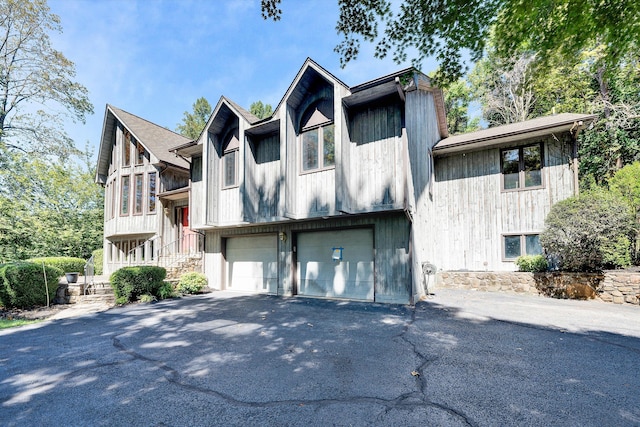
point(515, 245)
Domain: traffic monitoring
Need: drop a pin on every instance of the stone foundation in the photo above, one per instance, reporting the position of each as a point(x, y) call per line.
point(612, 286)
point(191, 264)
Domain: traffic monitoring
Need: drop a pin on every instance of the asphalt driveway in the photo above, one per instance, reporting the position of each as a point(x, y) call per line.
point(460, 358)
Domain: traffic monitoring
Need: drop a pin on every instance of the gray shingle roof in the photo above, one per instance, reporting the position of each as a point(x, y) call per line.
point(155, 139)
point(512, 132)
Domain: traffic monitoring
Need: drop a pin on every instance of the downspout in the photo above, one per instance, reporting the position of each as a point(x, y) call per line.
point(574, 131)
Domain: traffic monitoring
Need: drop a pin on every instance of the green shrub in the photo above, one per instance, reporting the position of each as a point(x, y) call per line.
point(66, 264)
point(191, 283)
point(166, 291)
point(131, 282)
point(98, 261)
point(532, 263)
point(22, 285)
point(146, 298)
point(590, 232)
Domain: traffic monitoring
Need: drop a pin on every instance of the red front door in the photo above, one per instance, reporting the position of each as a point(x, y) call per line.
point(188, 237)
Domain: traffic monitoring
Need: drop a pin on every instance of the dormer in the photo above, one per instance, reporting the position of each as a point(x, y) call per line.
point(311, 104)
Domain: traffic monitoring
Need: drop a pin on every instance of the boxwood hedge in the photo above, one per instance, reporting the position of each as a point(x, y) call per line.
point(22, 285)
point(64, 263)
point(129, 283)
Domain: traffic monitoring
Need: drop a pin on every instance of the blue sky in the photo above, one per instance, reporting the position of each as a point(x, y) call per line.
point(154, 58)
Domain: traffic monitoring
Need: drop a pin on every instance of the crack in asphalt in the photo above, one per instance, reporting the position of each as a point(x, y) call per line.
point(409, 400)
point(422, 379)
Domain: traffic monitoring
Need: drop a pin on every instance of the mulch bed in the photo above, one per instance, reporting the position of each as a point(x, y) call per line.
point(36, 313)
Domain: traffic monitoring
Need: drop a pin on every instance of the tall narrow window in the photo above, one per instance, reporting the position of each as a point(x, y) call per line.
point(230, 168)
point(230, 159)
point(140, 152)
point(310, 150)
point(196, 169)
point(124, 196)
point(126, 149)
point(522, 167)
point(151, 206)
point(137, 209)
point(114, 203)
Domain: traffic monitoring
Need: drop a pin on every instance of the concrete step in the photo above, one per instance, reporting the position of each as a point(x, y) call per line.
point(99, 289)
point(89, 299)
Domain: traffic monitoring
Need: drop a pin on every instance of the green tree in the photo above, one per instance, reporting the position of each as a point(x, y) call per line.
point(446, 29)
point(513, 88)
point(193, 123)
point(614, 139)
point(457, 98)
point(589, 232)
point(626, 184)
point(261, 110)
point(49, 209)
point(32, 75)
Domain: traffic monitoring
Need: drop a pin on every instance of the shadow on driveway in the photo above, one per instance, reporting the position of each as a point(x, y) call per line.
point(231, 359)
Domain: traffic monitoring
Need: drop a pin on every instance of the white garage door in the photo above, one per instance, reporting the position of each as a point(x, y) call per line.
point(252, 264)
point(322, 276)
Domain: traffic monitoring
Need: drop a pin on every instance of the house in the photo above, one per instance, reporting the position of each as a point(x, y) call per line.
point(358, 192)
point(146, 215)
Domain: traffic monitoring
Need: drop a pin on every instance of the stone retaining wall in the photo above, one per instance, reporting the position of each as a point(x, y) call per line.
point(611, 286)
point(522, 283)
point(620, 287)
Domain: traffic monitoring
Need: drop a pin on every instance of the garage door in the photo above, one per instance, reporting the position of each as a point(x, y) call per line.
point(252, 264)
point(320, 275)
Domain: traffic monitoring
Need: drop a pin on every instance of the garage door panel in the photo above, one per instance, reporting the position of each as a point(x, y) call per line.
point(252, 264)
point(319, 275)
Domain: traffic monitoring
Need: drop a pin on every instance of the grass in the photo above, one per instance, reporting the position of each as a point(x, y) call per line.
point(13, 323)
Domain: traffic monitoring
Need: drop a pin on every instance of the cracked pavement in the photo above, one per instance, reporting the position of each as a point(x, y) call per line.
point(460, 358)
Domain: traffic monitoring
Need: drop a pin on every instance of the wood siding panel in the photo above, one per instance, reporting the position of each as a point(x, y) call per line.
point(374, 174)
point(263, 179)
point(197, 204)
point(471, 212)
point(316, 193)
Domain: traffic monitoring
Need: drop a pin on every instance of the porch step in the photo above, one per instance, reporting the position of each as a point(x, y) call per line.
point(89, 299)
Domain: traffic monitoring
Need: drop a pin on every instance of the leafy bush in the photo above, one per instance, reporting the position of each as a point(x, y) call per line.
point(98, 261)
point(166, 291)
point(191, 283)
point(22, 285)
point(532, 263)
point(589, 232)
point(66, 264)
point(131, 282)
point(146, 298)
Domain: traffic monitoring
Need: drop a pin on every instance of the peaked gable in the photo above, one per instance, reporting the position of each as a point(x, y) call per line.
point(225, 108)
point(156, 139)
